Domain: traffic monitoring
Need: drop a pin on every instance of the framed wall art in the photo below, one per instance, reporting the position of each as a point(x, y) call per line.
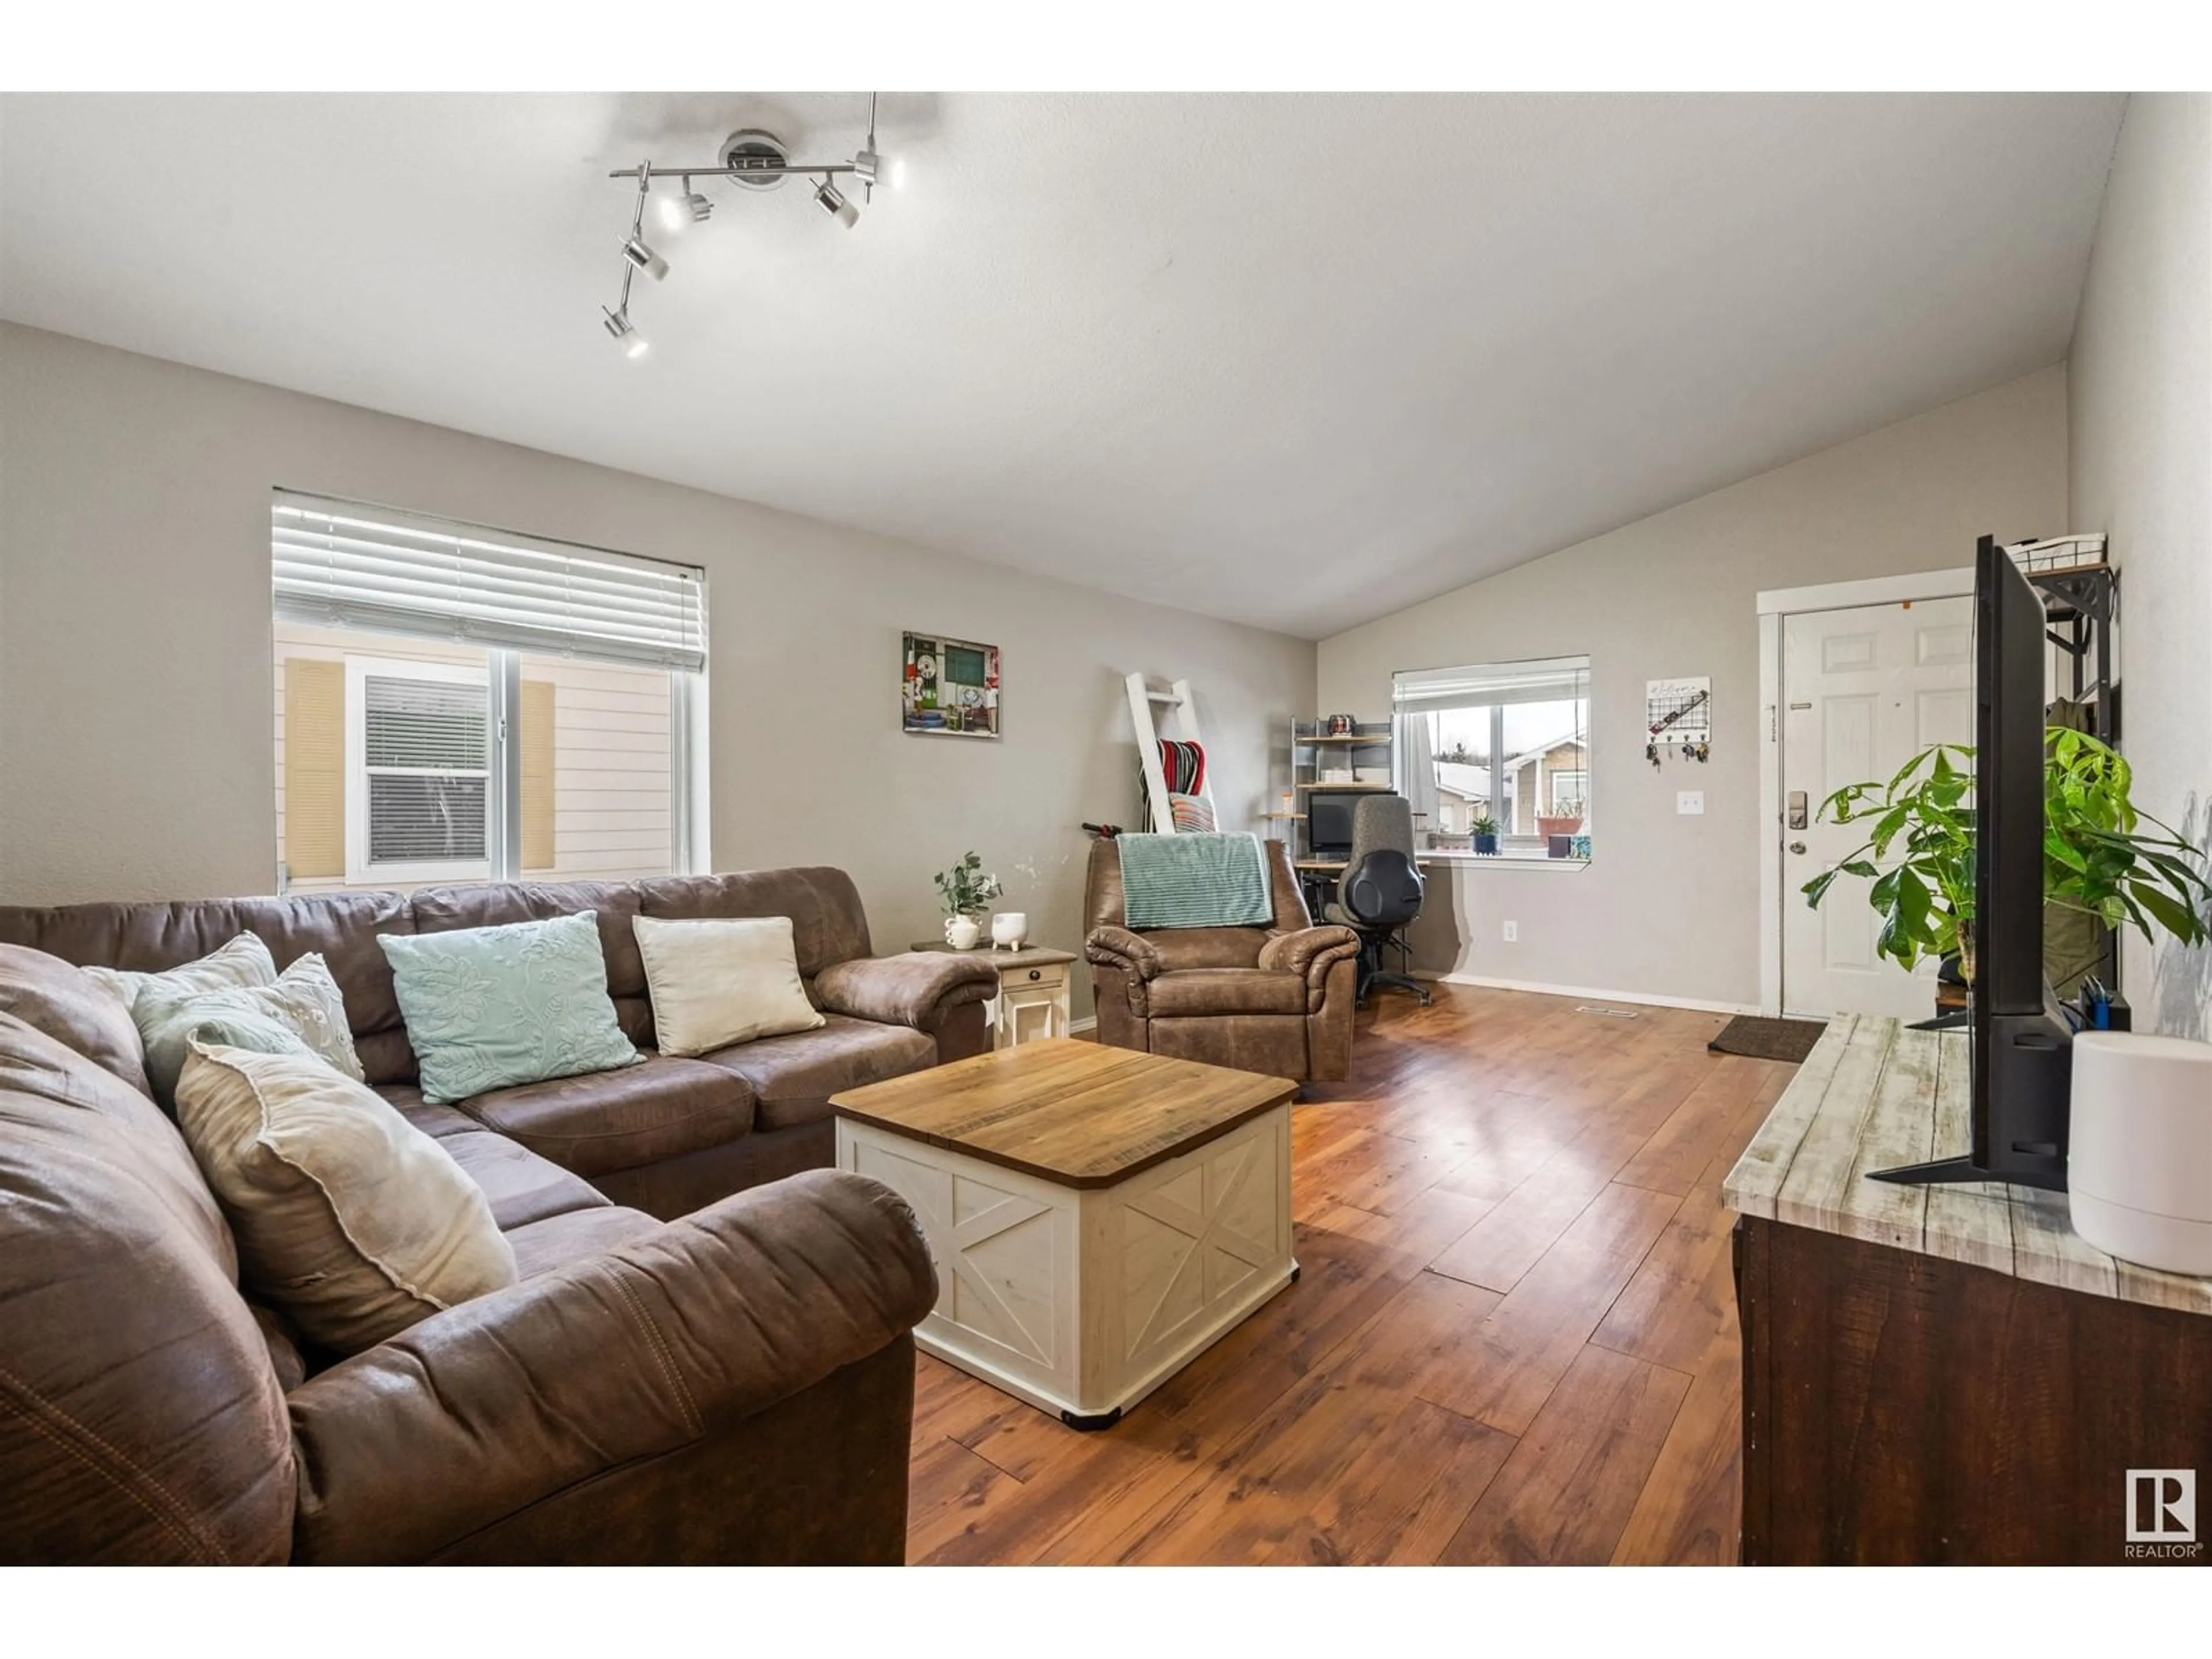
point(950, 688)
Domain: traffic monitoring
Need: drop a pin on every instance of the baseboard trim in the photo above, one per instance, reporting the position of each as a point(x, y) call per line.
point(1589, 993)
point(1090, 1024)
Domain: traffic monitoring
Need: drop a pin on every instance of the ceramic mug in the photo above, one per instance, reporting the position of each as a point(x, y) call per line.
point(961, 933)
point(1009, 929)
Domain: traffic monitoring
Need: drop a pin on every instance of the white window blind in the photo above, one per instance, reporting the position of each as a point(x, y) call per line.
point(337, 564)
point(1544, 679)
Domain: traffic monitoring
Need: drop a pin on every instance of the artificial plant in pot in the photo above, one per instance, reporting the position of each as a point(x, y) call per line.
point(966, 890)
point(1919, 853)
point(1485, 832)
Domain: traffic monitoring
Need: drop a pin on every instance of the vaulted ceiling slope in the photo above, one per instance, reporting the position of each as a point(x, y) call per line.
point(1294, 361)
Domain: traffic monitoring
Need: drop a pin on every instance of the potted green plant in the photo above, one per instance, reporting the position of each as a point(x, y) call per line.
point(2097, 862)
point(1919, 853)
point(1486, 831)
point(966, 890)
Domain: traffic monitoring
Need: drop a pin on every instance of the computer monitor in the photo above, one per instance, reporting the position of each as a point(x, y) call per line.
point(1328, 821)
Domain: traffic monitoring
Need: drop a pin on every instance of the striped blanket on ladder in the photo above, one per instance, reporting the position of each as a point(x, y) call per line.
point(1182, 763)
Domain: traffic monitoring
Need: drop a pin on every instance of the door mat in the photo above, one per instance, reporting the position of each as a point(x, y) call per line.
point(1769, 1039)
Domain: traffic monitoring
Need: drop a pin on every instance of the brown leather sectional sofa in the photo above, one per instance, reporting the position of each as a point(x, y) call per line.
point(1277, 1000)
point(695, 1366)
point(664, 1137)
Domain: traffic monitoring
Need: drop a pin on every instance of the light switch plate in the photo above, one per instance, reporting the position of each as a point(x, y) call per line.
point(1690, 803)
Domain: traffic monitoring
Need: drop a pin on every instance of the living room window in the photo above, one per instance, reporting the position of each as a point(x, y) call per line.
point(1495, 759)
point(454, 704)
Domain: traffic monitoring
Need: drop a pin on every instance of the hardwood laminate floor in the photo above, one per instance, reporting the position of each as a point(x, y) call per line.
point(1514, 1338)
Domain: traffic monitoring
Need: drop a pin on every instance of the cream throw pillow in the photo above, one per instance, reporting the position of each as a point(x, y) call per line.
point(349, 1220)
point(718, 982)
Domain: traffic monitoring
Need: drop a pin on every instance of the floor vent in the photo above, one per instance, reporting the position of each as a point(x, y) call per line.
point(1610, 1013)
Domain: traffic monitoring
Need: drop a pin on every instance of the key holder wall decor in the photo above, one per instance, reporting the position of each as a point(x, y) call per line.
point(1678, 720)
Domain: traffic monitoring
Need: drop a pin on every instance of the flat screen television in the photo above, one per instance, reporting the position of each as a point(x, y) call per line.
point(1328, 821)
point(2022, 1064)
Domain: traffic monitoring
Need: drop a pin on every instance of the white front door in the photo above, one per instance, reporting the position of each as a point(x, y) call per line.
point(1864, 690)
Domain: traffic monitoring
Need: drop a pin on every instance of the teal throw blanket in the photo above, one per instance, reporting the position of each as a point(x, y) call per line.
point(1194, 881)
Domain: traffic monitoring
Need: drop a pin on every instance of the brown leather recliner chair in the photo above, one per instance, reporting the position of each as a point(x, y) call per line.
point(1275, 1000)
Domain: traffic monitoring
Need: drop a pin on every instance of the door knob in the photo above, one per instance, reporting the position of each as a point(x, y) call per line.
point(1797, 847)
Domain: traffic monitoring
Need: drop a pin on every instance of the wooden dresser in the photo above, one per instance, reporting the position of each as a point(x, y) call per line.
point(1948, 1373)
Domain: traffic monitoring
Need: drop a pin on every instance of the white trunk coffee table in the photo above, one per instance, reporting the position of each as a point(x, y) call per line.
point(1098, 1218)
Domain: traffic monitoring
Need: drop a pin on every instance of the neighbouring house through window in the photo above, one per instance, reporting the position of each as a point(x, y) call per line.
point(418, 741)
point(1494, 758)
point(454, 704)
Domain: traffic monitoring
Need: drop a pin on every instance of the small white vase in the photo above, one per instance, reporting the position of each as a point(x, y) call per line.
point(1010, 930)
point(961, 933)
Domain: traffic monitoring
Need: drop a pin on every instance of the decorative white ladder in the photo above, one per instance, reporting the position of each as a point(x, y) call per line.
point(1180, 724)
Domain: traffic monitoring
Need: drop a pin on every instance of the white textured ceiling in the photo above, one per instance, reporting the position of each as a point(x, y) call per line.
point(1293, 360)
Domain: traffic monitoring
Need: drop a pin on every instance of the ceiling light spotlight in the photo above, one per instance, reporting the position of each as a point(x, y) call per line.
point(700, 208)
point(868, 163)
point(834, 204)
point(634, 344)
point(673, 217)
point(645, 258)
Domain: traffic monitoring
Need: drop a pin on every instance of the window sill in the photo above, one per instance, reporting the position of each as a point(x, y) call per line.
point(1500, 861)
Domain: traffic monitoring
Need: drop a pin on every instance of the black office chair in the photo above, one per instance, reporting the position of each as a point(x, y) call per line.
point(1380, 892)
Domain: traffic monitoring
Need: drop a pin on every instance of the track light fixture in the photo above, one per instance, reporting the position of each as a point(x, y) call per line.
point(752, 160)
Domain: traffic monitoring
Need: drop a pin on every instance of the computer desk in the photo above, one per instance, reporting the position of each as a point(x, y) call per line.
point(1318, 876)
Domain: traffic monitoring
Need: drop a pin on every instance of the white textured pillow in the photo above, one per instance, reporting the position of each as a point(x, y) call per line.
point(719, 982)
point(307, 999)
point(349, 1220)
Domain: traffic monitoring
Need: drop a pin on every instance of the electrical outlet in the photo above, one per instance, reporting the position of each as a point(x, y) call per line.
point(1690, 803)
point(1512, 932)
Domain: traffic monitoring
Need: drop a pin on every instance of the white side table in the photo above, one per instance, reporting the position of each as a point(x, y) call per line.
point(1033, 1001)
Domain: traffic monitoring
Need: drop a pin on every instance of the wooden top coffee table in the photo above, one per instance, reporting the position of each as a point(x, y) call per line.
point(1098, 1216)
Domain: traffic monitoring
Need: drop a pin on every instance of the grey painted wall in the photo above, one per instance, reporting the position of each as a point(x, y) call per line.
point(135, 681)
point(2141, 457)
point(1668, 907)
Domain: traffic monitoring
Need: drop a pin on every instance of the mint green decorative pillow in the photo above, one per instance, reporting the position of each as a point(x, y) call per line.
point(304, 1003)
point(490, 1007)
